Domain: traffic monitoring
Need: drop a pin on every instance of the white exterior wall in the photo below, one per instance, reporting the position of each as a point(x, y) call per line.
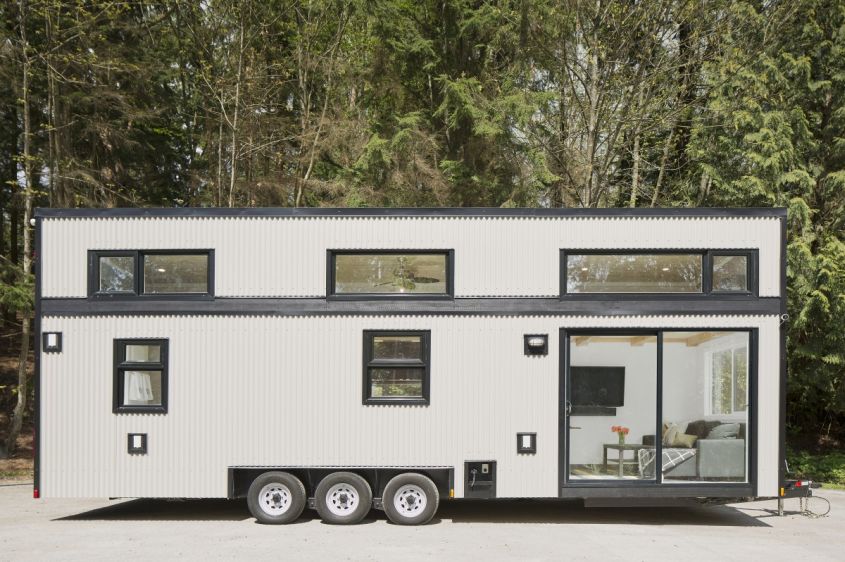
point(494, 257)
point(287, 391)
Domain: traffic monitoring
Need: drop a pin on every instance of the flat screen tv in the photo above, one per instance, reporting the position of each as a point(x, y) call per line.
point(597, 386)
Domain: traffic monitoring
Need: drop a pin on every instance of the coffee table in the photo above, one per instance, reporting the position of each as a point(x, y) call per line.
point(621, 461)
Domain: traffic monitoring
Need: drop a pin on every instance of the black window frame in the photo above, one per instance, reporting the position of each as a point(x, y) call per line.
point(138, 281)
point(749, 487)
point(331, 272)
point(121, 365)
point(706, 255)
point(750, 271)
point(371, 363)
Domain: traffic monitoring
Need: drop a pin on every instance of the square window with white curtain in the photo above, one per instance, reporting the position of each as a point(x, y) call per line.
point(140, 376)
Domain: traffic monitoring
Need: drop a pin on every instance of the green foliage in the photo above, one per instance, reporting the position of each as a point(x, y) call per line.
point(828, 468)
point(450, 102)
point(17, 295)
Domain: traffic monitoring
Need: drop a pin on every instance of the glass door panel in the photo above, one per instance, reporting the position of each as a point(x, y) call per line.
point(611, 394)
point(705, 406)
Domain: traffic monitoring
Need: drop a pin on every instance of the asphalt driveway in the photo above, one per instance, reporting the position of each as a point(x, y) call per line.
point(505, 530)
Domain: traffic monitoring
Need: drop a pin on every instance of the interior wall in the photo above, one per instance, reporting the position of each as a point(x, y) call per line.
point(683, 383)
point(639, 412)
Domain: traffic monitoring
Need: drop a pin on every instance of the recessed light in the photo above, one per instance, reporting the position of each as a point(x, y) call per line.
point(665, 269)
point(161, 270)
point(585, 269)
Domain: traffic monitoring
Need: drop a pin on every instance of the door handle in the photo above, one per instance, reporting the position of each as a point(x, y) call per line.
point(568, 408)
point(574, 427)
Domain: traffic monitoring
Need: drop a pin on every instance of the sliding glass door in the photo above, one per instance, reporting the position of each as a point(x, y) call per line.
point(706, 377)
point(611, 405)
point(664, 406)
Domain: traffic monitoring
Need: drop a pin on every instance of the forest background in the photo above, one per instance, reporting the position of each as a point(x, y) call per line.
point(404, 103)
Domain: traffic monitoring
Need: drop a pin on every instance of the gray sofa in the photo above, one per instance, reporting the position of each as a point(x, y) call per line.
point(716, 459)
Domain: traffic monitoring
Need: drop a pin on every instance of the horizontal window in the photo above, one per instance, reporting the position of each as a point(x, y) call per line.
point(642, 272)
point(140, 376)
point(142, 273)
point(396, 367)
point(390, 273)
point(634, 273)
point(182, 273)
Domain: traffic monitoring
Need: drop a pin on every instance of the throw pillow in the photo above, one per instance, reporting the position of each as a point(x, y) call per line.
point(724, 431)
point(671, 433)
point(685, 440)
point(701, 428)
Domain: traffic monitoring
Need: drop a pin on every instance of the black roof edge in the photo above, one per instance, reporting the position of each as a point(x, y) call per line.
point(493, 212)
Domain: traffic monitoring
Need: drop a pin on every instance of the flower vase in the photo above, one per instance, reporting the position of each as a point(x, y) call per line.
point(621, 438)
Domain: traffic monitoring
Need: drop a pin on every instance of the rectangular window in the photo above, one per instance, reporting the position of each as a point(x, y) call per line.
point(728, 381)
point(396, 367)
point(634, 273)
point(390, 273)
point(140, 376)
point(730, 273)
point(116, 273)
point(658, 272)
point(175, 273)
point(135, 273)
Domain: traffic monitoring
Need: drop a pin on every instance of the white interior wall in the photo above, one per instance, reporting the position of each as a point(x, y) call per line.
point(639, 412)
point(683, 383)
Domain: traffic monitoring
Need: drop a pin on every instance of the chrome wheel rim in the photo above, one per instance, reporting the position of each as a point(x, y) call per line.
point(275, 499)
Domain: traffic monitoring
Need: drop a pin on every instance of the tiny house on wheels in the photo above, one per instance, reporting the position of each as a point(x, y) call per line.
point(349, 359)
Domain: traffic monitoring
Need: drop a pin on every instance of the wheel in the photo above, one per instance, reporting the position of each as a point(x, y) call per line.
point(343, 498)
point(410, 499)
point(276, 498)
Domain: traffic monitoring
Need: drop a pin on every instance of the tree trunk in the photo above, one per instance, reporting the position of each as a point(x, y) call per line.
point(592, 126)
point(234, 148)
point(635, 172)
point(220, 163)
point(663, 160)
point(20, 406)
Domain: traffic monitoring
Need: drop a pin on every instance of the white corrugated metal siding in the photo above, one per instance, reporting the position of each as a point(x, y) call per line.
point(495, 257)
point(276, 391)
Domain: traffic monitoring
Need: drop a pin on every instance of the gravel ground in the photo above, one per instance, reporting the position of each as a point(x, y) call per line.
point(100, 529)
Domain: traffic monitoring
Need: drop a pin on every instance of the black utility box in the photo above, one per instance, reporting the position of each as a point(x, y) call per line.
point(480, 479)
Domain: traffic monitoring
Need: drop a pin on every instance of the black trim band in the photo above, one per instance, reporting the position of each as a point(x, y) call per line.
point(464, 306)
point(286, 212)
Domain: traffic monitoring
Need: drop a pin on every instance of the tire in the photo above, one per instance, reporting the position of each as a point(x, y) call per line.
point(276, 498)
point(343, 498)
point(410, 499)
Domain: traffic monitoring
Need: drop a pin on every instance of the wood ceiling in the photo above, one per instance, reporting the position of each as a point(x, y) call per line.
point(691, 339)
